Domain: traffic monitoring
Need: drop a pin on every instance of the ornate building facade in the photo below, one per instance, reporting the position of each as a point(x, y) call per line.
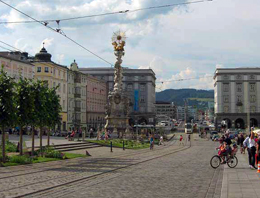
point(55, 75)
point(95, 102)
point(237, 97)
point(77, 97)
point(138, 84)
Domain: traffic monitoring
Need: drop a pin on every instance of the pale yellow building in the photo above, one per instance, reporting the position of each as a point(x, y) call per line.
point(54, 74)
point(16, 65)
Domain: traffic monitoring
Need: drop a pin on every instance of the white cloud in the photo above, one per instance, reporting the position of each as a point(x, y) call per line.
point(183, 42)
point(47, 42)
point(219, 66)
point(59, 58)
point(187, 78)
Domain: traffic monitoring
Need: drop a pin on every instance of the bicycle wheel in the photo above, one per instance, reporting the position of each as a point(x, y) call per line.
point(232, 162)
point(215, 161)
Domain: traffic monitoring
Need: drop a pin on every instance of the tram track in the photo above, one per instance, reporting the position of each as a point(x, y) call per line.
point(86, 161)
point(102, 174)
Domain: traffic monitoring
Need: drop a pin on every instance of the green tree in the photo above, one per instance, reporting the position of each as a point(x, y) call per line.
point(54, 109)
point(7, 105)
point(25, 106)
point(40, 91)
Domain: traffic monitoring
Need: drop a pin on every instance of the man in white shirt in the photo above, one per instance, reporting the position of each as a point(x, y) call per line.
point(249, 143)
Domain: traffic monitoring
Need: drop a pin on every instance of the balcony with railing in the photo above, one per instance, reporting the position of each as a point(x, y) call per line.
point(77, 109)
point(76, 95)
point(77, 78)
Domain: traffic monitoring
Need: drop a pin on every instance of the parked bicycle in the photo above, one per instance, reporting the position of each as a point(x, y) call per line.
point(229, 159)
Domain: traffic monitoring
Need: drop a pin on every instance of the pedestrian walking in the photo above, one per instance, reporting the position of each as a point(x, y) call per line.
point(250, 144)
point(151, 141)
point(181, 140)
point(240, 141)
point(189, 137)
point(258, 151)
point(161, 141)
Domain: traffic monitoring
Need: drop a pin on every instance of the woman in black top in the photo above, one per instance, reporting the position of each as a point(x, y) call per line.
point(240, 142)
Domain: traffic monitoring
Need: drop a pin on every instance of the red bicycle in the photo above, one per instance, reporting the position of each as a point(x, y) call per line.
point(231, 160)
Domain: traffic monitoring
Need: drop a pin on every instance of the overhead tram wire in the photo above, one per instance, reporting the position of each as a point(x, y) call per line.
point(10, 46)
point(184, 79)
point(6, 48)
point(107, 14)
point(59, 32)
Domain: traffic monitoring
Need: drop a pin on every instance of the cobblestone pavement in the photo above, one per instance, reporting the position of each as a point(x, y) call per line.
point(170, 171)
point(240, 182)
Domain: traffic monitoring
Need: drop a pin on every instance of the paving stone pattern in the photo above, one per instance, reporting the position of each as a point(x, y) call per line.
point(178, 173)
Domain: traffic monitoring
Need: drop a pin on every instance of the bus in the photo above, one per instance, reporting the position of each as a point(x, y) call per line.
point(188, 128)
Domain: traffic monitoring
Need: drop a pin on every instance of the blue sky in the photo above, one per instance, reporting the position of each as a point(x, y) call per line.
point(178, 42)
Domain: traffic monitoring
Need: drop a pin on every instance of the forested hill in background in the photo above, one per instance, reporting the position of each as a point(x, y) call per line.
point(193, 96)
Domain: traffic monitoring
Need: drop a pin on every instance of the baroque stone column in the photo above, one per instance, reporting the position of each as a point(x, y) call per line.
point(117, 109)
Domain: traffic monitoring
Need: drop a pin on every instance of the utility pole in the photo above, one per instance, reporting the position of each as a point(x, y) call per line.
point(185, 111)
point(247, 108)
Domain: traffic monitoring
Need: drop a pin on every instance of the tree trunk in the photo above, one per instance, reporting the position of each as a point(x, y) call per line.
point(3, 144)
point(48, 139)
point(32, 140)
point(41, 141)
point(21, 141)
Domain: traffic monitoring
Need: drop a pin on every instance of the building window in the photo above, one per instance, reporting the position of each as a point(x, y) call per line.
point(78, 104)
point(142, 87)
point(240, 109)
point(226, 87)
point(142, 100)
point(54, 84)
point(77, 90)
point(252, 77)
point(59, 87)
point(226, 77)
point(64, 88)
point(54, 71)
point(129, 87)
point(142, 109)
point(252, 109)
point(225, 109)
point(252, 98)
point(239, 77)
point(63, 104)
point(239, 87)
point(46, 69)
point(239, 98)
point(226, 98)
point(252, 87)
point(39, 69)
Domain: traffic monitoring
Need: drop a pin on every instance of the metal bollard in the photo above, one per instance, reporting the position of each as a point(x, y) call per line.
point(123, 145)
point(111, 146)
